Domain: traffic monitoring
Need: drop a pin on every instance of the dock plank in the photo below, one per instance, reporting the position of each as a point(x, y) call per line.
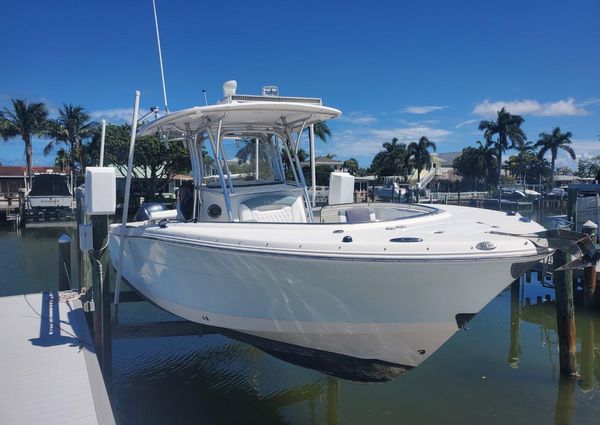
point(50, 372)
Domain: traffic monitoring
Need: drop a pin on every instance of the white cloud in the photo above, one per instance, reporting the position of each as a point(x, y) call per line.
point(358, 118)
point(584, 148)
point(420, 123)
point(467, 122)
point(410, 133)
point(531, 107)
point(350, 143)
point(591, 101)
point(118, 115)
point(420, 110)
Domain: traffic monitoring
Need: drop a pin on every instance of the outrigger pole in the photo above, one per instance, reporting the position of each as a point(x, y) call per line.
point(162, 72)
point(102, 139)
point(134, 121)
point(313, 173)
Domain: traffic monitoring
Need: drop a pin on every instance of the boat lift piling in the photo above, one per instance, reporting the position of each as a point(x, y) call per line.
point(589, 273)
point(64, 262)
point(565, 309)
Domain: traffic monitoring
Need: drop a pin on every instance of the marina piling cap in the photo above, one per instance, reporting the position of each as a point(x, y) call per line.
point(590, 225)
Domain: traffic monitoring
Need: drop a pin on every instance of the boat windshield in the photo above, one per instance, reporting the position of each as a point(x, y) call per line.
point(241, 164)
point(49, 185)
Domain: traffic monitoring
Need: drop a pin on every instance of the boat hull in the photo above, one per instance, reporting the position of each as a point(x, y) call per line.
point(397, 311)
point(50, 202)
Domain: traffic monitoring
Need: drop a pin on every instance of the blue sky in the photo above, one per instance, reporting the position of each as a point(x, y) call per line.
point(395, 68)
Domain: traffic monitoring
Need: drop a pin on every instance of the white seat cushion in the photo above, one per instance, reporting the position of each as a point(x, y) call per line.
point(282, 215)
point(264, 209)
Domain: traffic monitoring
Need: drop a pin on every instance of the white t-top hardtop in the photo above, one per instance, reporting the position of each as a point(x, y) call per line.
point(234, 114)
point(452, 233)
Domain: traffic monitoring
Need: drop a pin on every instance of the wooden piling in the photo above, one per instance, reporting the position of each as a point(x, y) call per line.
point(589, 273)
point(565, 315)
point(571, 203)
point(565, 310)
point(64, 262)
point(22, 218)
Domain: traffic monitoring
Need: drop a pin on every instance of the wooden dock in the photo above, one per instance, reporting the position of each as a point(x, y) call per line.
point(50, 372)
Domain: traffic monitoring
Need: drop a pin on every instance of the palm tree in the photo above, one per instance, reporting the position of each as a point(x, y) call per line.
point(351, 165)
point(62, 160)
point(487, 158)
point(508, 128)
point(553, 142)
point(25, 120)
point(395, 156)
point(523, 151)
point(476, 163)
point(71, 127)
point(322, 131)
point(418, 152)
point(525, 148)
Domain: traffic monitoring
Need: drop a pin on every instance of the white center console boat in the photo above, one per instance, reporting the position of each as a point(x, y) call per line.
point(386, 283)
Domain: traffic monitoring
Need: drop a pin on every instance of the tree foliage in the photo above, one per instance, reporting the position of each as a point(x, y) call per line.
point(393, 160)
point(419, 155)
point(72, 127)
point(322, 131)
point(351, 165)
point(528, 167)
point(564, 171)
point(26, 119)
point(507, 128)
point(477, 164)
point(153, 160)
point(588, 167)
point(552, 142)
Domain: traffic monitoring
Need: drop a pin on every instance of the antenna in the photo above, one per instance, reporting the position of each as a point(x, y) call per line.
point(205, 99)
point(162, 72)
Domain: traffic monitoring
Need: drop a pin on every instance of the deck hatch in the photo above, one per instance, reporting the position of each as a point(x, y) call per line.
point(406, 239)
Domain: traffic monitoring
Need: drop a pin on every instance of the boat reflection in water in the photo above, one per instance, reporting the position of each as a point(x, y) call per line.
point(334, 364)
point(208, 377)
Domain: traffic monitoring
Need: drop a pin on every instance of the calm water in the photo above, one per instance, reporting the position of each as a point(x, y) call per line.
point(497, 372)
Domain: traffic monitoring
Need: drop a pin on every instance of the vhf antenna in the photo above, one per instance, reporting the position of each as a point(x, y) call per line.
point(205, 99)
point(162, 72)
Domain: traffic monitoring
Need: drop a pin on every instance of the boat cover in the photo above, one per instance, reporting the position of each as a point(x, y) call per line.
point(49, 185)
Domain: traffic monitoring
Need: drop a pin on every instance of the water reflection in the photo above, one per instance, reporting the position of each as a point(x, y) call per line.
point(188, 377)
point(514, 350)
point(542, 312)
point(565, 401)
